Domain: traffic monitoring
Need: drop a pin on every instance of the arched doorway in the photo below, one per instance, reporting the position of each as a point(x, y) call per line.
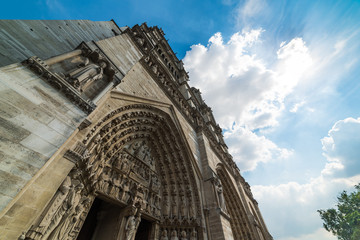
point(136, 159)
point(240, 224)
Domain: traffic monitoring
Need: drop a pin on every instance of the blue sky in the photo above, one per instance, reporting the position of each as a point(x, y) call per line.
point(282, 78)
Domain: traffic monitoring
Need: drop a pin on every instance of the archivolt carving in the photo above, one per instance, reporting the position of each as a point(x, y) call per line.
point(240, 224)
point(125, 131)
point(136, 157)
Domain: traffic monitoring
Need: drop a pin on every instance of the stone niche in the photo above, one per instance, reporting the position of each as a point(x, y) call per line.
point(83, 75)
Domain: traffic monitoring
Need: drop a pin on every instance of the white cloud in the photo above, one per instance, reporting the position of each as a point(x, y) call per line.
point(54, 5)
point(57, 8)
point(238, 86)
point(248, 10)
point(249, 149)
point(251, 8)
point(296, 107)
point(244, 93)
point(295, 204)
point(342, 148)
point(319, 234)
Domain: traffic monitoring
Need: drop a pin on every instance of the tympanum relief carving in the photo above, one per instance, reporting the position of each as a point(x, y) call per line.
point(132, 158)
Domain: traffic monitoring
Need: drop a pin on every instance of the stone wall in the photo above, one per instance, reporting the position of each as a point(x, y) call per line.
point(36, 121)
point(40, 124)
point(21, 39)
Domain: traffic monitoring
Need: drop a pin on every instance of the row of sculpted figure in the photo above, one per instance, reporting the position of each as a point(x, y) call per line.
point(64, 212)
point(183, 234)
point(118, 186)
point(183, 209)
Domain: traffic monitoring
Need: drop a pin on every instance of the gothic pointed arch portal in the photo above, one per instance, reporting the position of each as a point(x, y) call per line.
point(239, 221)
point(136, 158)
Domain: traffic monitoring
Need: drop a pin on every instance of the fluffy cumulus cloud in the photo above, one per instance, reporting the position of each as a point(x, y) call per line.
point(342, 148)
point(250, 149)
point(244, 93)
point(319, 234)
point(296, 204)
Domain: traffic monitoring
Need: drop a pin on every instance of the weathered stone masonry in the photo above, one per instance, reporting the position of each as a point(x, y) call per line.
point(102, 137)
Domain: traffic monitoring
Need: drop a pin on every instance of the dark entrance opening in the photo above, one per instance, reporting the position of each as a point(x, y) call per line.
point(89, 225)
point(101, 221)
point(143, 231)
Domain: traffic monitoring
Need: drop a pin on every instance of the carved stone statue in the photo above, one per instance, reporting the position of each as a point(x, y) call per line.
point(183, 207)
point(87, 72)
point(192, 211)
point(183, 235)
point(126, 187)
point(164, 235)
point(79, 209)
point(58, 207)
point(132, 194)
point(174, 210)
point(166, 206)
point(116, 186)
point(174, 235)
point(155, 183)
point(131, 226)
point(96, 140)
point(117, 162)
point(193, 235)
point(125, 165)
point(220, 193)
point(104, 180)
point(63, 220)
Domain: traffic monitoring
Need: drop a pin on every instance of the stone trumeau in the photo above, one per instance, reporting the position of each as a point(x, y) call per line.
point(101, 137)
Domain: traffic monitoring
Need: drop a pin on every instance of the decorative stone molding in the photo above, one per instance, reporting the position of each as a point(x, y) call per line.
point(39, 67)
point(78, 154)
point(84, 124)
point(63, 216)
point(79, 83)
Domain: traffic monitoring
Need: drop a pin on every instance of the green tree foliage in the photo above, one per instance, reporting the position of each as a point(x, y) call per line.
point(344, 222)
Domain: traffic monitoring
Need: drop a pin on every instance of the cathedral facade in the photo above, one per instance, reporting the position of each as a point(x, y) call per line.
point(102, 137)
